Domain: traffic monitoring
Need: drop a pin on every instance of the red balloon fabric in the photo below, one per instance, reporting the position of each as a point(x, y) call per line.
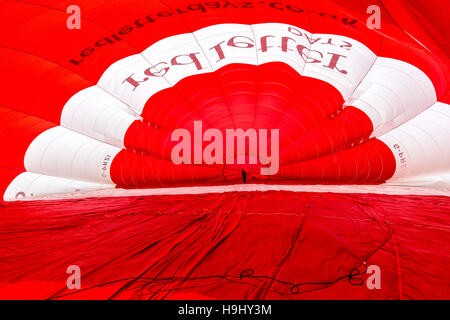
point(234, 245)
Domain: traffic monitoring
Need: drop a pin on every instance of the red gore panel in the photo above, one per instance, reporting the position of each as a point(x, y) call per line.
point(369, 162)
point(131, 169)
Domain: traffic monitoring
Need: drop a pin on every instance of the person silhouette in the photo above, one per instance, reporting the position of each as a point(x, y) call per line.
point(244, 176)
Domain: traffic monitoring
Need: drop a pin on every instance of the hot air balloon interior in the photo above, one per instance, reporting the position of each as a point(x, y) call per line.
point(190, 149)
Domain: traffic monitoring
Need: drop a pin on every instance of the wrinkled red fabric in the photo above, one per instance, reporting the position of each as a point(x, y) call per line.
point(237, 245)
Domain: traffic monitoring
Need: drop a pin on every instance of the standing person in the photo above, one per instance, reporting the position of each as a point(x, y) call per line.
point(244, 176)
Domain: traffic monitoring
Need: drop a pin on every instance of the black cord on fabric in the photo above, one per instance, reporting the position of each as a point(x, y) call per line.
point(294, 288)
